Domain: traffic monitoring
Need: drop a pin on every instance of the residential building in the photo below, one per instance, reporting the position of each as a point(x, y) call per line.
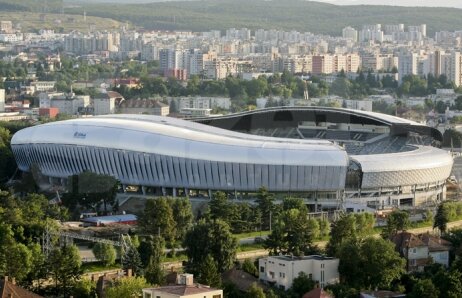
point(350, 33)
point(407, 65)
point(203, 102)
point(6, 26)
point(282, 270)
point(144, 106)
point(185, 288)
point(71, 104)
point(421, 250)
point(371, 33)
point(2, 100)
point(9, 289)
point(43, 86)
point(105, 103)
point(322, 64)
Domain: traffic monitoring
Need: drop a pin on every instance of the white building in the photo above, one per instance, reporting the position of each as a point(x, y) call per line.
point(407, 65)
point(282, 270)
point(71, 105)
point(46, 97)
point(43, 86)
point(2, 100)
point(185, 288)
point(363, 105)
point(104, 105)
point(350, 33)
point(11, 37)
point(203, 103)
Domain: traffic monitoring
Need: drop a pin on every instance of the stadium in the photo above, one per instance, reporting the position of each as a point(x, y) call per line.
point(330, 157)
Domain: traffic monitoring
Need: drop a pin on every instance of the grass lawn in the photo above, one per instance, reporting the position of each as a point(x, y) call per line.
point(96, 267)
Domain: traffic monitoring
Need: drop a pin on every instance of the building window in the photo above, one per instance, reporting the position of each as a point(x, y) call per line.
point(262, 269)
point(216, 296)
point(414, 250)
point(271, 274)
point(282, 275)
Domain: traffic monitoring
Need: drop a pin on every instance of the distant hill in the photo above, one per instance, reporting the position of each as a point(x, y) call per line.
point(31, 5)
point(33, 21)
point(299, 15)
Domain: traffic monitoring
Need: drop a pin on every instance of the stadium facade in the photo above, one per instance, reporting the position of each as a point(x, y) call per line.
point(325, 155)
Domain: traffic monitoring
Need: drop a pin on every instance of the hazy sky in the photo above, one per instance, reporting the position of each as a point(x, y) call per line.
point(442, 3)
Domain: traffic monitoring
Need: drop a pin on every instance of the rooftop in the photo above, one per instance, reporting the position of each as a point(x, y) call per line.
point(184, 290)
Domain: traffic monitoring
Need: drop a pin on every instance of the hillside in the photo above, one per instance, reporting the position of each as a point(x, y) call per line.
point(31, 5)
point(30, 22)
point(300, 15)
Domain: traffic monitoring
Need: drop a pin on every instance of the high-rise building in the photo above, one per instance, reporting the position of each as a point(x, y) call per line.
point(322, 64)
point(371, 33)
point(350, 33)
point(407, 65)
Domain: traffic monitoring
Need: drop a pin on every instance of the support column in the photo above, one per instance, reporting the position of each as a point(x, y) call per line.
point(174, 192)
point(143, 190)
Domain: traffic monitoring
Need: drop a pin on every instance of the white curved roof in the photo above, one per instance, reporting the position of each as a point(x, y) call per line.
point(423, 157)
point(421, 166)
point(175, 137)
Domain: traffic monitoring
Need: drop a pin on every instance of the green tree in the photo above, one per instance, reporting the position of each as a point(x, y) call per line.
point(182, 215)
point(64, 266)
point(276, 242)
point(208, 273)
point(342, 229)
point(293, 233)
point(424, 288)
point(255, 292)
point(84, 288)
point(7, 161)
point(397, 221)
point(154, 272)
point(131, 261)
point(151, 247)
point(265, 203)
point(301, 285)
point(449, 283)
point(369, 263)
point(18, 261)
point(105, 253)
point(458, 103)
point(126, 287)
point(157, 219)
point(341, 87)
point(220, 207)
point(442, 218)
point(210, 238)
point(324, 227)
point(249, 267)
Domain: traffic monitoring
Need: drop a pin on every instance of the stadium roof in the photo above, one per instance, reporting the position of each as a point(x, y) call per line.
point(176, 137)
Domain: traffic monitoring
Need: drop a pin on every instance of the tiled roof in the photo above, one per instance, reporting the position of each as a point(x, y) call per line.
point(317, 293)
point(184, 290)
point(409, 240)
point(435, 243)
point(11, 290)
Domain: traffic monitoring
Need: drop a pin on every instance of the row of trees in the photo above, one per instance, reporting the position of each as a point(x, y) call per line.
point(23, 222)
